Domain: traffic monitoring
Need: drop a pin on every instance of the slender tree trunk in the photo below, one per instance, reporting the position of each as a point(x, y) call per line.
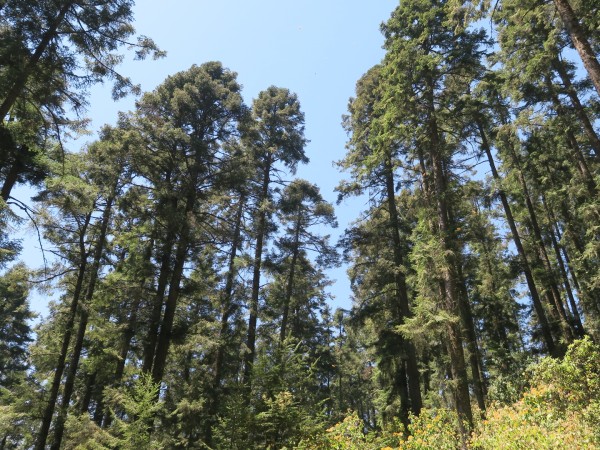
point(60, 366)
point(412, 368)
point(90, 384)
point(183, 243)
point(535, 297)
point(553, 294)
point(580, 41)
point(59, 425)
point(576, 153)
point(128, 335)
point(402, 386)
point(260, 237)
point(475, 362)
point(574, 310)
point(450, 301)
point(167, 207)
point(289, 289)
point(18, 86)
point(164, 337)
point(11, 178)
point(157, 307)
point(500, 324)
point(565, 254)
point(104, 417)
point(583, 273)
point(84, 315)
point(227, 309)
point(577, 106)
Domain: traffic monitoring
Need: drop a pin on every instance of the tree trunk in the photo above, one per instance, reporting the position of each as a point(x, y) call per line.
point(253, 308)
point(84, 315)
point(157, 307)
point(59, 425)
point(579, 109)
point(227, 308)
point(60, 366)
point(450, 300)
point(576, 153)
point(11, 178)
point(574, 310)
point(166, 327)
point(17, 87)
point(554, 295)
point(475, 362)
point(412, 368)
point(580, 41)
point(90, 385)
point(535, 297)
point(289, 289)
point(589, 294)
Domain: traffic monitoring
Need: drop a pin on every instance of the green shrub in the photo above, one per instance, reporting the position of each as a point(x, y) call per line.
point(561, 410)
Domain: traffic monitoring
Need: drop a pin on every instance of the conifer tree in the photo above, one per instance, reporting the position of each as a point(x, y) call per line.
point(198, 110)
point(373, 167)
point(275, 137)
point(428, 67)
point(52, 52)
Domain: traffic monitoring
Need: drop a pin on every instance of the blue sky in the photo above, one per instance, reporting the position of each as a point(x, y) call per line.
point(316, 48)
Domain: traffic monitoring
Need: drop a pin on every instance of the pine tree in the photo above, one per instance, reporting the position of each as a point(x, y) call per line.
point(276, 137)
point(373, 168)
point(53, 51)
point(198, 109)
point(15, 331)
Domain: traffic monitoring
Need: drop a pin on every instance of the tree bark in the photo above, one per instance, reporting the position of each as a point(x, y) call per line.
point(289, 289)
point(475, 362)
point(450, 300)
point(576, 154)
point(574, 310)
point(166, 327)
point(553, 295)
point(17, 87)
point(157, 307)
point(11, 178)
point(227, 309)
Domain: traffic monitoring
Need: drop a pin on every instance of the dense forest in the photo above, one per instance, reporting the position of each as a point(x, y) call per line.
point(189, 266)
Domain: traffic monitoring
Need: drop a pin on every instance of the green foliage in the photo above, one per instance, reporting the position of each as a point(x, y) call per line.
point(84, 434)
point(560, 410)
point(284, 421)
point(346, 435)
point(51, 53)
point(19, 409)
point(135, 409)
point(164, 226)
point(15, 332)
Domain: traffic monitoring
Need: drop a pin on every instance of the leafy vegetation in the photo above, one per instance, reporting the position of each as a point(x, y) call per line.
point(560, 409)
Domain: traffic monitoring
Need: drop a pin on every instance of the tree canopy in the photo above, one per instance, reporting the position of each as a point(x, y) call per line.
point(191, 267)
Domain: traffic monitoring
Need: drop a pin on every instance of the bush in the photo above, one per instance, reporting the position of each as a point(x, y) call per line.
point(561, 410)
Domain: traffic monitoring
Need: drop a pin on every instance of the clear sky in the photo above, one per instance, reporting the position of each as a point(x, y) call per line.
point(316, 48)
